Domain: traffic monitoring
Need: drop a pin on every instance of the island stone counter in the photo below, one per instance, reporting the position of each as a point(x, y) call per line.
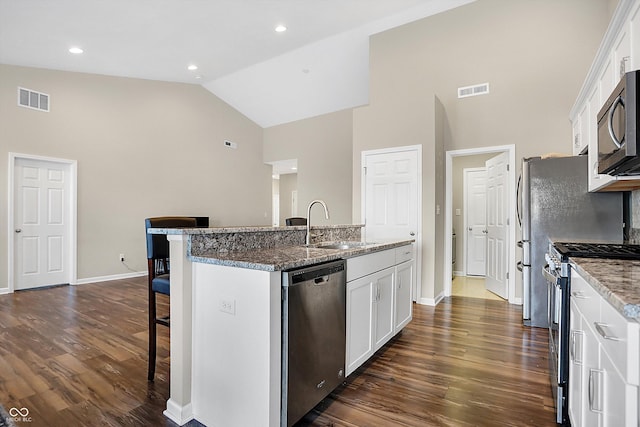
point(618, 281)
point(225, 313)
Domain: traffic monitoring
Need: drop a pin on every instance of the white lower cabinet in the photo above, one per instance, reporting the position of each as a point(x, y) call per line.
point(379, 303)
point(404, 299)
point(603, 361)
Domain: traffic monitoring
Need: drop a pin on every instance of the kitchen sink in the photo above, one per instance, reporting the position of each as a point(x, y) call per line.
point(342, 245)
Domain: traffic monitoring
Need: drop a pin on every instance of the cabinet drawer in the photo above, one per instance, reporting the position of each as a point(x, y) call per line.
point(404, 253)
point(366, 264)
point(619, 337)
point(586, 298)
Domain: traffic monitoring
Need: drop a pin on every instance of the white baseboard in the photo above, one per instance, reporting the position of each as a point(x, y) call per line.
point(516, 301)
point(459, 273)
point(177, 413)
point(431, 301)
point(110, 277)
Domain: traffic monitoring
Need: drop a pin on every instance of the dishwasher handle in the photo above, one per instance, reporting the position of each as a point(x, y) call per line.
point(320, 280)
point(318, 274)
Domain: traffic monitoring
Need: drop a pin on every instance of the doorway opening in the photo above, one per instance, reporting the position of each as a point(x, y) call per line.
point(507, 256)
point(284, 191)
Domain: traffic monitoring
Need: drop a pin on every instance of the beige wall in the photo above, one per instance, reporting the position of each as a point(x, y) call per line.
point(144, 148)
point(323, 148)
point(459, 163)
point(535, 56)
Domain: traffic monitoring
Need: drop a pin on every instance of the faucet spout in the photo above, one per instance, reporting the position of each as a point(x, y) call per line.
point(326, 215)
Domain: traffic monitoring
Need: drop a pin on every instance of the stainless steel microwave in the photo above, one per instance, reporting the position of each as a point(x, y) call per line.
point(617, 129)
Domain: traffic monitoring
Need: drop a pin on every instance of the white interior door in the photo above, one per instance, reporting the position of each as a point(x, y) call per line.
point(475, 180)
point(42, 223)
point(390, 198)
point(497, 224)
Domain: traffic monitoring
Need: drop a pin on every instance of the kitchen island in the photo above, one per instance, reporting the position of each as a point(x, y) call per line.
point(225, 312)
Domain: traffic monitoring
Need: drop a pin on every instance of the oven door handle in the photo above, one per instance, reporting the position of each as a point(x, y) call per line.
point(550, 276)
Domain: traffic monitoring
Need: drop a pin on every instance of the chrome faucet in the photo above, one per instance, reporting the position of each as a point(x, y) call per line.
point(326, 215)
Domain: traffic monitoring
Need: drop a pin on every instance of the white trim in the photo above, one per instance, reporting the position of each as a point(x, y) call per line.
point(465, 223)
point(432, 301)
point(73, 215)
point(418, 236)
point(98, 279)
point(511, 262)
point(177, 413)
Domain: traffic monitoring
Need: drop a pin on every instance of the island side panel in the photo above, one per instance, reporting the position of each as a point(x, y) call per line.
point(236, 346)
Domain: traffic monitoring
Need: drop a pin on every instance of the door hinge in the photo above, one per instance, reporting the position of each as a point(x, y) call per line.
point(365, 170)
point(507, 275)
point(508, 219)
point(507, 167)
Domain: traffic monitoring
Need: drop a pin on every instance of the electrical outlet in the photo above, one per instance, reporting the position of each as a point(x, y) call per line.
point(228, 305)
point(121, 257)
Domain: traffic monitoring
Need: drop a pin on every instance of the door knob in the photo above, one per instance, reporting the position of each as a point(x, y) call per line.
point(18, 230)
point(411, 233)
point(470, 229)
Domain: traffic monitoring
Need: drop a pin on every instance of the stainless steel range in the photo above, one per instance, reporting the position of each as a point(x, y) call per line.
point(557, 273)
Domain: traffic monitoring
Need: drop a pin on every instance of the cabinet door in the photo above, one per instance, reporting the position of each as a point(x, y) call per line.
point(613, 395)
point(384, 310)
point(592, 392)
point(404, 301)
point(576, 354)
point(634, 29)
point(360, 321)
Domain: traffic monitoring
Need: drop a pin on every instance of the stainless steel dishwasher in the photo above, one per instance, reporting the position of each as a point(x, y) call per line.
point(313, 336)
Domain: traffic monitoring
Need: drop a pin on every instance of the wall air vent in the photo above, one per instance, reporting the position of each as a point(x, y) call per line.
point(467, 91)
point(31, 99)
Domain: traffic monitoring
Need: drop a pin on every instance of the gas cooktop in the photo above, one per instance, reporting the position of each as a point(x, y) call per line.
point(598, 250)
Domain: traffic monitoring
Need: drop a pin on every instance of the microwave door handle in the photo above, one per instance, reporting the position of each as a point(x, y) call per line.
point(614, 138)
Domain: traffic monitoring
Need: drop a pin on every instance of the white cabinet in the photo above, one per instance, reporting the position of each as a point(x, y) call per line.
point(404, 300)
point(362, 317)
point(576, 361)
point(379, 301)
point(603, 361)
point(619, 52)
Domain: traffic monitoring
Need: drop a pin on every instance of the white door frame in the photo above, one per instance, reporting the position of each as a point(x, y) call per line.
point(72, 262)
point(511, 262)
point(465, 207)
point(418, 236)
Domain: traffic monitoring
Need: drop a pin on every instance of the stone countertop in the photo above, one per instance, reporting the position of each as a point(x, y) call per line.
point(288, 257)
point(618, 281)
point(245, 229)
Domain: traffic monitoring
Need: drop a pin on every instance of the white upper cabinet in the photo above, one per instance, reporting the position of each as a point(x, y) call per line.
point(619, 53)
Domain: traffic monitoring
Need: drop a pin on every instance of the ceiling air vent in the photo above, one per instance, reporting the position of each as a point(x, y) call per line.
point(31, 99)
point(467, 91)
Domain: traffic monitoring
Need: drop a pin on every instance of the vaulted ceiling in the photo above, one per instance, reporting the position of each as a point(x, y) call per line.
point(318, 65)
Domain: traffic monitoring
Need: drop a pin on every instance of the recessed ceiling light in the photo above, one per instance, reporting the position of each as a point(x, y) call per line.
point(281, 29)
point(294, 168)
point(192, 67)
point(75, 50)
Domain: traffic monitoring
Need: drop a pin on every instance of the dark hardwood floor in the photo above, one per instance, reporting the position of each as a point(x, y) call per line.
point(77, 356)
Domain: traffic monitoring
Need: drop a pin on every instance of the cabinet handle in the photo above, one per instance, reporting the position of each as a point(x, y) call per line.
point(600, 327)
point(576, 347)
point(578, 295)
point(594, 391)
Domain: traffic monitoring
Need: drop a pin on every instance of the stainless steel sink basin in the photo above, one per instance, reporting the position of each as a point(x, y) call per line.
point(342, 245)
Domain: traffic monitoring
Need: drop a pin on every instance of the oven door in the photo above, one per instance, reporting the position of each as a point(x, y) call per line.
point(558, 317)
